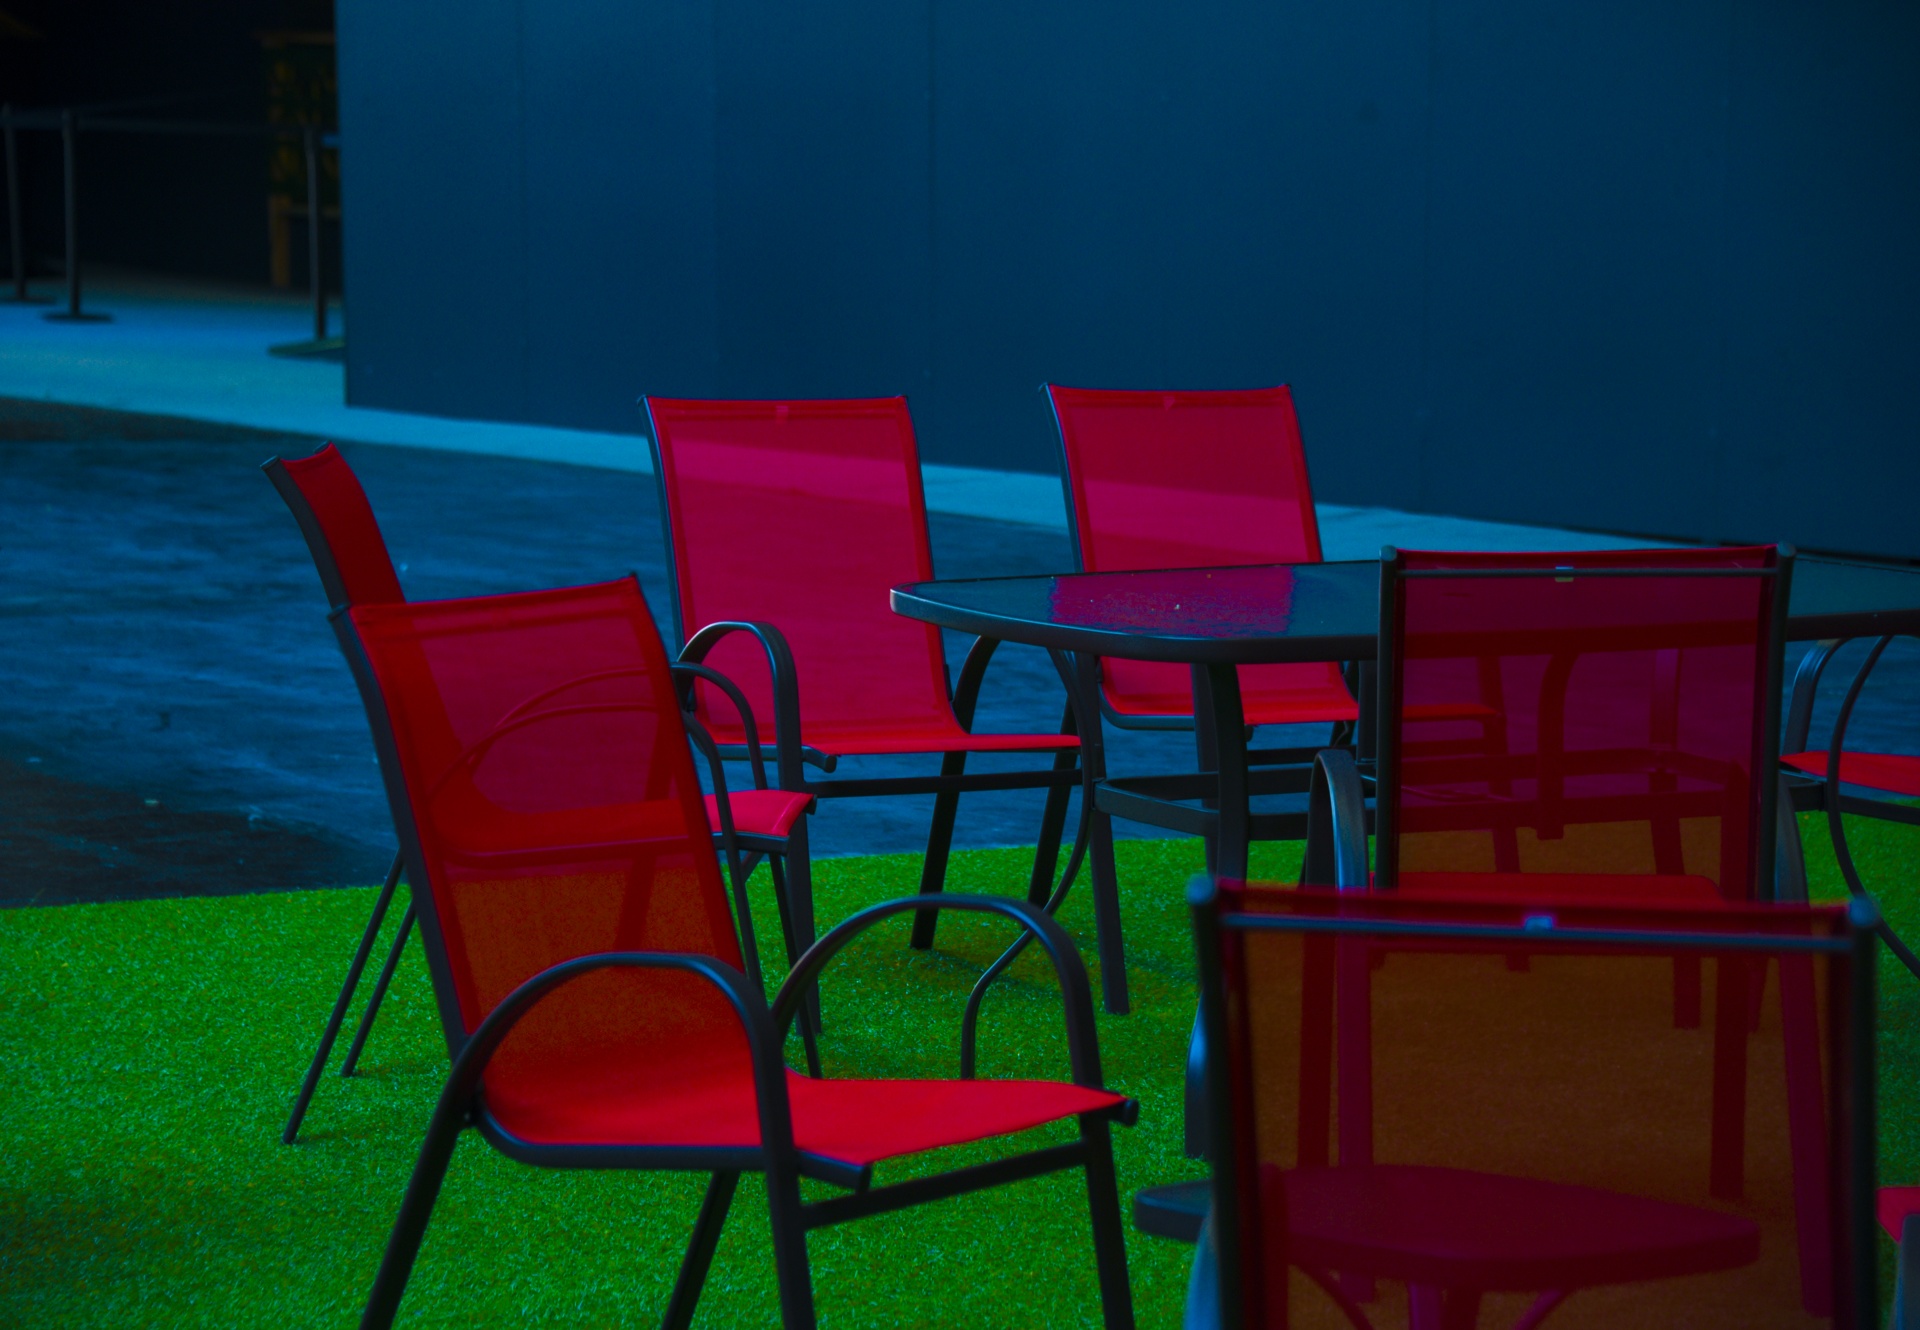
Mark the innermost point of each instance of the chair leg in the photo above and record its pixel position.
(797, 864)
(339, 1014)
(410, 1226)
(379, 993)
(1109, 1237)
(807, 1014)
(1108, 938)
(933, 871)
(1728, 1150)
(790, 1248)
(699, 1257)
(1053, 824)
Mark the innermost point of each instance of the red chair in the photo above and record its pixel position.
(1638, 693)
(1194, 480)
(1822, 775)
(787, 524)
(1637, 765)
(1899, 1211)
(327, 501)
(1474, 1138)
(585, 962)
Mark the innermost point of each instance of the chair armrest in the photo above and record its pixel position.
(1083, 1045)
(789, 753)
(729, 843)
(686, 672)
(1336, 824)
(458, 1099)
(1806, 683)
(1906, 1278)
(1203, 1283)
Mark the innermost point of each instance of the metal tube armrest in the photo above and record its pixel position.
(789, 753)
(1083, 1047)
(1336, 824)
(687, 671)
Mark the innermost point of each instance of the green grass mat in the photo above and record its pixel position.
(151, 1051)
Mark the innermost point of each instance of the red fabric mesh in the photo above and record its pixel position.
(1516, 1120)
(553, 795)
(804, 514)
(554, 799)
(1898, 773)
(766, 812)
(1195, 480)
(1626, 720)
(346, 519)
(854, 1121)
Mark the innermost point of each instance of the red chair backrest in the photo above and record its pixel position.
(1186, 480)
(540, 778)
(1560, 1066)
(1627, 721)
(338, 522)
(802, 514)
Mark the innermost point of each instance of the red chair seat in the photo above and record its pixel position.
(1895, 1204)
(847, 741)
(760, 812)
(858, 1122)
(1606, 888)
(1451, 1228)
(1896, 772)
(1270, 694)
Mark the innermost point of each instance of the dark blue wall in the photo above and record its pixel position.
(1649, 265)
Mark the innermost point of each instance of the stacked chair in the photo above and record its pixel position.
(1441, 1114)
(1636, 788)
(331, 508)
(598, 1007)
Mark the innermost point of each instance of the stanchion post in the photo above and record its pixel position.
(16, 227)
(13, 211)
(70, 153)
(314, 214)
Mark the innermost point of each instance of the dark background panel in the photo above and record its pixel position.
(1637, 267)
(1051, 239)
(1296, 188)
(434, 144)
(822, 209)
(620, 209)
(1822, 416)
(1578, 165)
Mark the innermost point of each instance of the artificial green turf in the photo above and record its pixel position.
(151, 1050)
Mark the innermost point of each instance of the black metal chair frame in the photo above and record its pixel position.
(1825, 793)
(792, 757)
(1183, 801)
(754, 847)
(1215, 1297)
(462, 1103)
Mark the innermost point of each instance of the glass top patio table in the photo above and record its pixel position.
(1305, 612)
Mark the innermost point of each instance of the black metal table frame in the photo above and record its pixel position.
(1224, 782)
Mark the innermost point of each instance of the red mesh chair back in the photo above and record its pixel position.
(338, 522)
(1625, 729)
(1439, 1108)
(1193, 480)
(802, 514)
(539, 772)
